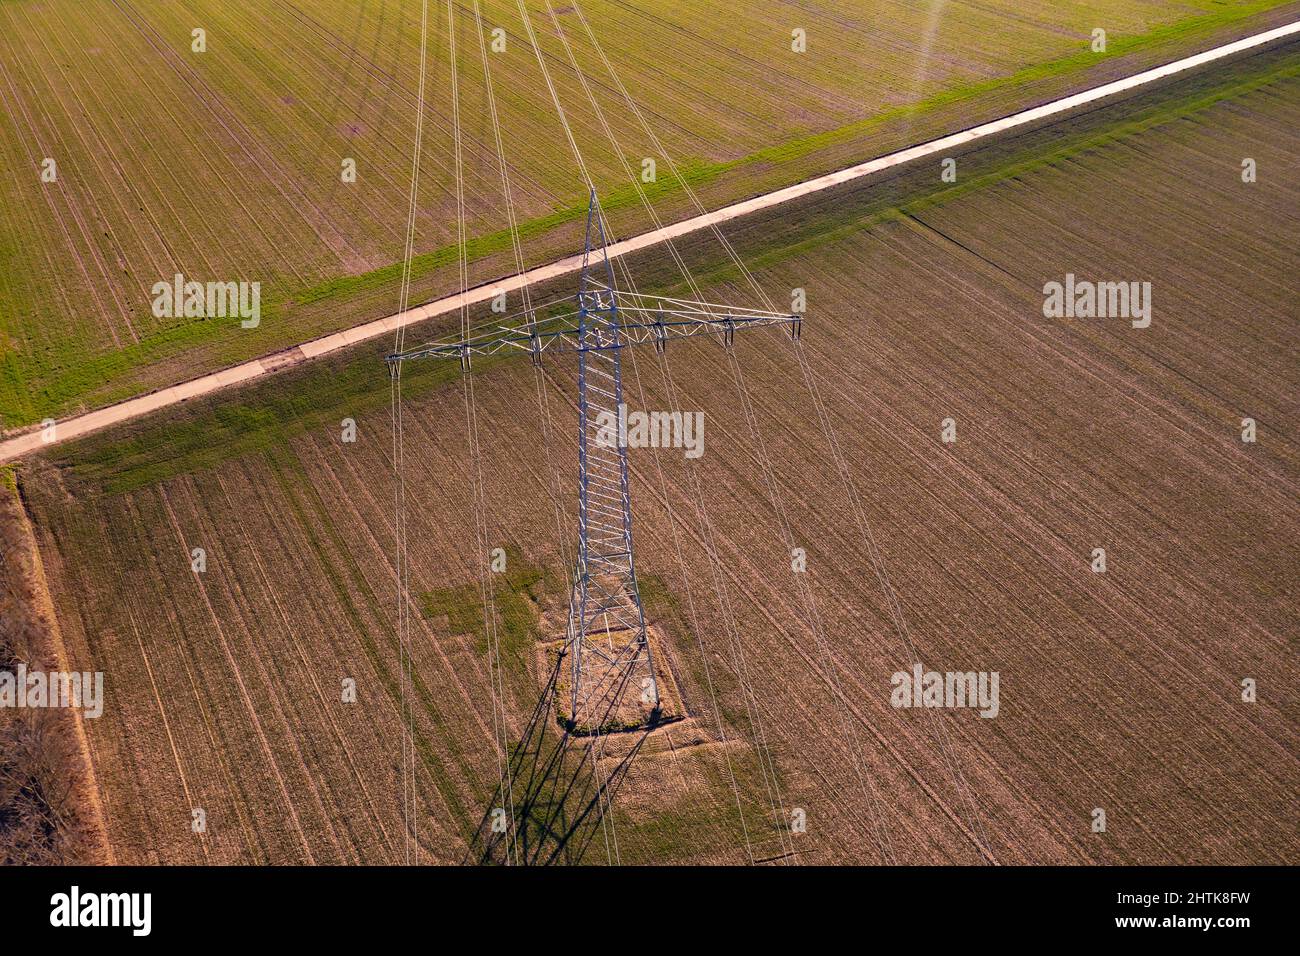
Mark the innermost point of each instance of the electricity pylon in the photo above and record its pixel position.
(609, 653)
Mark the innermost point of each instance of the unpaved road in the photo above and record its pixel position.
(83, 424)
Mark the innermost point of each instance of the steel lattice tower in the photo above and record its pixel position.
(613, 684)
(606, 619)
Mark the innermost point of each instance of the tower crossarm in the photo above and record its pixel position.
(643, 319)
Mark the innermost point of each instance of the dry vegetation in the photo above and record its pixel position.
(225, 165)
(1119, 691)
(47, 800)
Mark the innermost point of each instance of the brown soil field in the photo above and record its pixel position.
(1120, 691)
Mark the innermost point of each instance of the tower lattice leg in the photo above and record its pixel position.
(612, 674)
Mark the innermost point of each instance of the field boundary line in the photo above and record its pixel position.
(85, 423)
(87, 784)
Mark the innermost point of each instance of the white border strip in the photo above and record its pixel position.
(124, 411)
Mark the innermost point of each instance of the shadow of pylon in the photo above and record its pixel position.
(554, 799)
